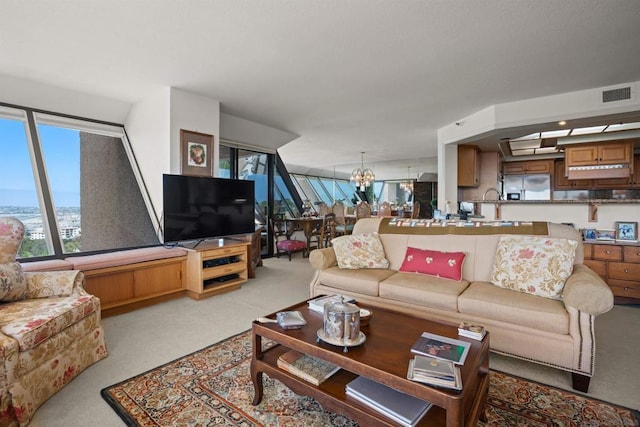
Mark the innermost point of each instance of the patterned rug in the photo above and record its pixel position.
(212, 387)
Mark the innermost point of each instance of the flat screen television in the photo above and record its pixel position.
(199, 208)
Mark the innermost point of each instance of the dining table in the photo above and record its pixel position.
(310, 226)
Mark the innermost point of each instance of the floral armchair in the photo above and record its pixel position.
(50, 330)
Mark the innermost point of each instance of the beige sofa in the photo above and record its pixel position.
(557, 333)
(50, 330)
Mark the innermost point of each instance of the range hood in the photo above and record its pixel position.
(599, 171)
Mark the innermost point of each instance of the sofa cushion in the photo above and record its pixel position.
(356, 251)
(423, 290)
(535, 265)
(117, 258)
(33, 321)
(364, 281)
(13, 286)
(447, 265)
(485, 300)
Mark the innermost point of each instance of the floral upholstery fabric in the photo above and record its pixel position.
(11, 235)
(356, 251)
(535, 265)
(51, 283)
(46, 338)
(32, 321)
(13, 286)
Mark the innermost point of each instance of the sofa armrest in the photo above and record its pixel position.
(44, 284)
(321, 259)
(584, 290)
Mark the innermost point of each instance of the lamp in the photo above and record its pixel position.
(408, 185)
(361, 176)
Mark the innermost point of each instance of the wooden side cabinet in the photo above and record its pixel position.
(468, 166)
(214, 268)
(619, 265)
(527, 167)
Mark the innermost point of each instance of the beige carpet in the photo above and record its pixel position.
(146, 338)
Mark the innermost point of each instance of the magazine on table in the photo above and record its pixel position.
(441, 348)
(437, 372)
(309, 368)
(471, 330)
(318, 303)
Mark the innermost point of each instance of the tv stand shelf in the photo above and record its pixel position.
(214, 268)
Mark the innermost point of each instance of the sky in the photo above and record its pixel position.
(61, 151)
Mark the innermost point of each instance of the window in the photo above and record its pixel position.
(75, 188)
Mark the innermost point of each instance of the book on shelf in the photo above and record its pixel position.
(309, 368)
(440, 347)
(472, 330)
(432, 371)
(400, 407)
(318, 303)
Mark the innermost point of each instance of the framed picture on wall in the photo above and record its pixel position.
(196, 153)
(627, 231)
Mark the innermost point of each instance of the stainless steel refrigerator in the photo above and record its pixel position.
(528, 187)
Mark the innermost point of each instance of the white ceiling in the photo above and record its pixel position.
(379, 76)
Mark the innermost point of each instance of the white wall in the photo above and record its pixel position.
(29, 93)
(254, 134)
(148, 129)
(576, 213)
(196, 113)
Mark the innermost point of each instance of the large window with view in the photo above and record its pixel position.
(72, 183)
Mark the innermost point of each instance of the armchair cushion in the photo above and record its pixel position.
(32, 321)
(13, 286)
(51, 283)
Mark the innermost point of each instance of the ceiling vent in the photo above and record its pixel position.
(621, 94)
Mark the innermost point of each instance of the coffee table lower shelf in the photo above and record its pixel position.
(332, 396)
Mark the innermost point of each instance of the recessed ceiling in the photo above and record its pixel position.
(378, 76)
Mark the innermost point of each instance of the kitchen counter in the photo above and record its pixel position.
(538, 202)
(590, 213)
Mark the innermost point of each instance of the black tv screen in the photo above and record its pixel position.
(197, 208)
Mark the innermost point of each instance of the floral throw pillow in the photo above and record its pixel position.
(447, 265)
(360, 251)
(535, 265)
(13, 286)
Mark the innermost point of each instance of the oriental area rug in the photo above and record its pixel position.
(212, 387)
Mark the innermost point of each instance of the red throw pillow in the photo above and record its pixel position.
(447, 265)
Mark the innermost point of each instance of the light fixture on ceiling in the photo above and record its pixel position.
(562, 122)
(408, 184)
(363, 177)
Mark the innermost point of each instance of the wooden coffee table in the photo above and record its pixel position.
(384, 357)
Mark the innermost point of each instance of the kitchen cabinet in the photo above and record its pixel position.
(632, 181)
(590, 160)
(619, 266)
(468, 166)
(561, 182)
(527, 167)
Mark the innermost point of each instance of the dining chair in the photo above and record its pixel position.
(415, 211)
(363, 210)
(328, 230)
(283, 242)
(384, 209)
(323, 209)
(342, 226)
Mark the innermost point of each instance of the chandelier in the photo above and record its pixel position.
(408, 185)
(361, 176)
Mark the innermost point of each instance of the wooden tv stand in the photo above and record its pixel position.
(216, 266)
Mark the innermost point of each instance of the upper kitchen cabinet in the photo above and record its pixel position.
(468, 166)
(612, 159)
(527, 167)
